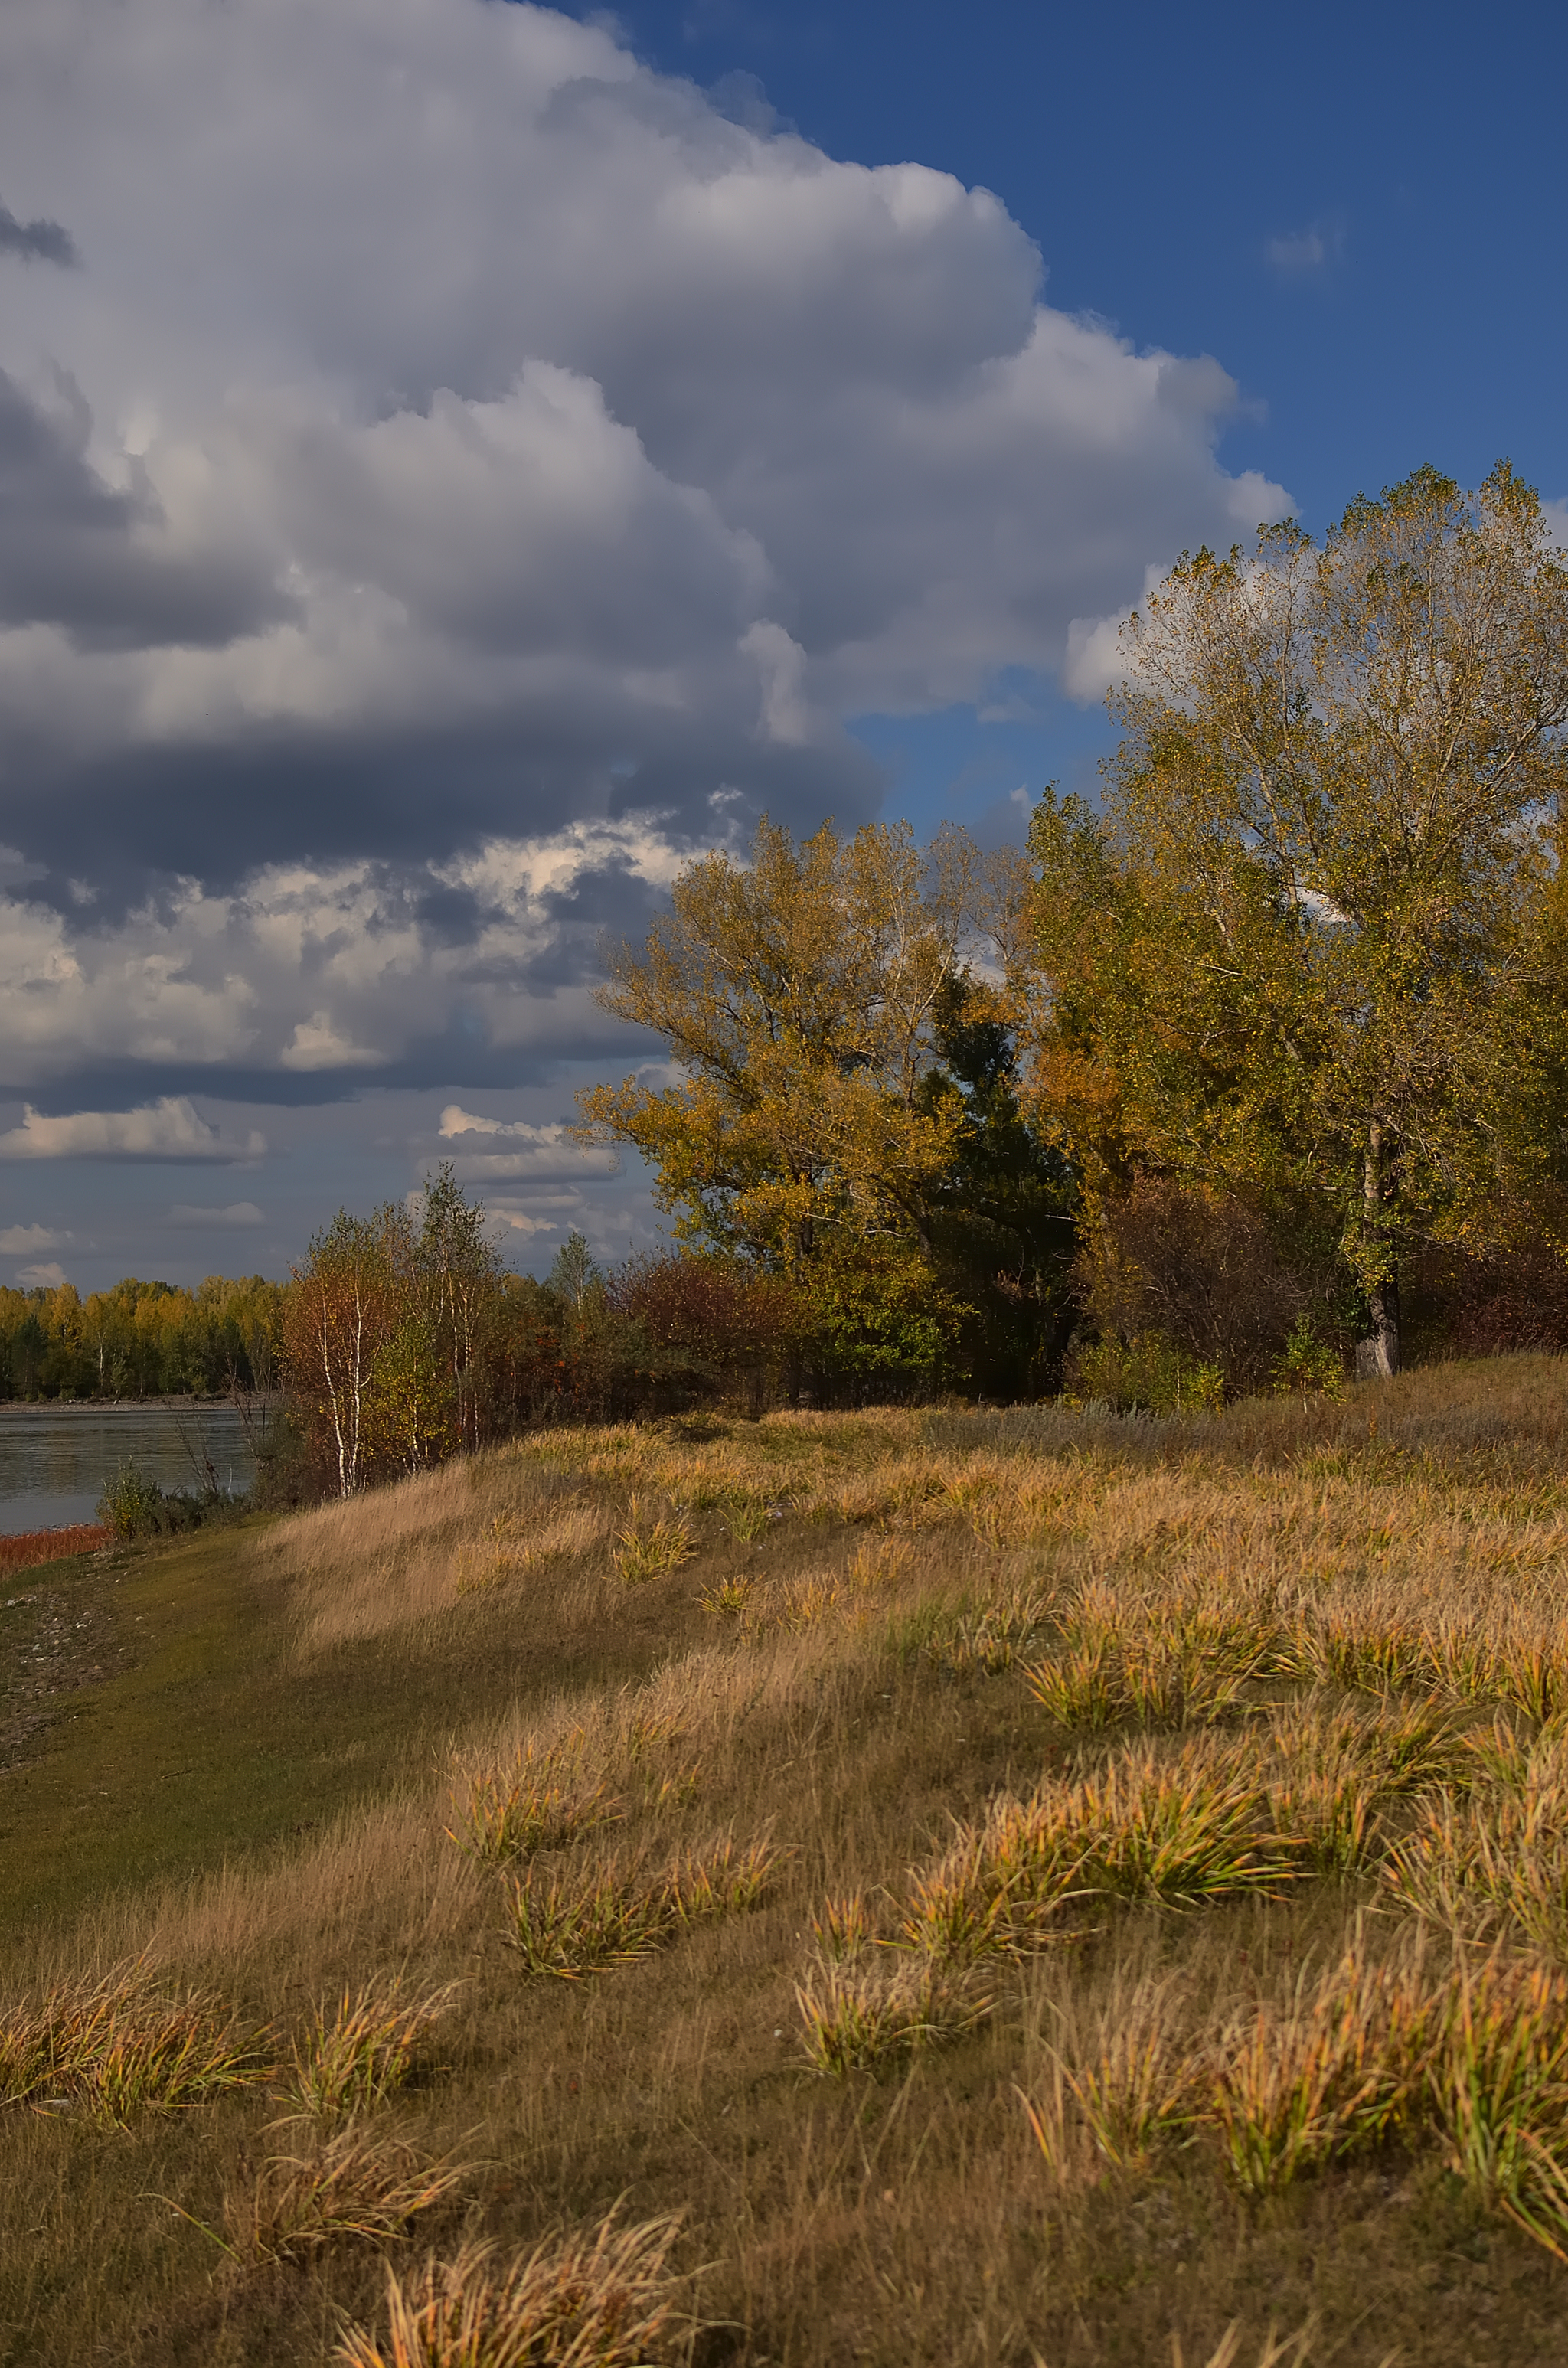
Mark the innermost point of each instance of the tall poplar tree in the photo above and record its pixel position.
(1312, 949)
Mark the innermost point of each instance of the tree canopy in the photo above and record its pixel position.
(821, 1005)
(1312, 949)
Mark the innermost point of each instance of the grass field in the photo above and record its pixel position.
(904, 1887)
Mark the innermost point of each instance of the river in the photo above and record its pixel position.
(54, 1460)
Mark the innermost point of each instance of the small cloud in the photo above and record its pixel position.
(317, 1044)
(23, 1241)
(169, 1129)
(1301, 252)
(546, 1150)
(42, 1278)
(238, 1213)
(40, 241)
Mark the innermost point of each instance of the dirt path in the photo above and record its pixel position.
(59, 1630)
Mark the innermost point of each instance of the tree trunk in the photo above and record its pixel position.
(1378, 1356)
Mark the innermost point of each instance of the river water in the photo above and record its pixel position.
(54, 1460)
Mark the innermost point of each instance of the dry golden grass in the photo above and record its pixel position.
(599, 2299)
(1054, 1887)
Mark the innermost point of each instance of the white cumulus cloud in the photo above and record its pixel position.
(22, 1241)
(447, 471)
(544, 1151)
(169, 1129)
(236, 1213)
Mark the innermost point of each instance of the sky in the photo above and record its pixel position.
(458, 460)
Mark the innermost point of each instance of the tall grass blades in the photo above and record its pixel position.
(1499, 2093)
(1326, 2070)
(538, 1800)
(861, 2018)
(569, 1925)
(355, 2184)
(603, 2298)
(352, 2059)
(122, 2048)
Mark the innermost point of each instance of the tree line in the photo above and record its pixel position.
(1251, 1073)
(140, 1339)
(1257, 1068)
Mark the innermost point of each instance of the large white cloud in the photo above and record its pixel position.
(170, 1129)
(455, 452)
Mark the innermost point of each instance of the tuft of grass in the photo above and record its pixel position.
(863, 2017)
(842, 1929)
(578, 1923)
(599, 2298)
(1134, 2082)
(356, 2056)
(1185, 1833)
(646, 1549)
(542, 1799)
(355, 2183)
(991, 1636)
(1152, 1664)
(729, 1596)
(123, 2048)
(1498, 2087)
(1323, 2073)
(1494, 1864)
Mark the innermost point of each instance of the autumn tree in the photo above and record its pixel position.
(802, 996)
(338, 1319)
(1310, 951)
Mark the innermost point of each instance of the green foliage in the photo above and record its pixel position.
(1308, 1365)
(1311, 953)
(140, 1339)
(1148, 1373)
(1003, 1212)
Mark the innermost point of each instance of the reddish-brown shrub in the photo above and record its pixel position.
(21, 1553)
(1464, 1304)
(1204, 1270)
(743, 1326)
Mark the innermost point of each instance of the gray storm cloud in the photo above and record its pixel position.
(40, 241)
(466, 470)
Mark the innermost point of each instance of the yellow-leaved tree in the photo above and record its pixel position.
(802, 996)
(1311, 950)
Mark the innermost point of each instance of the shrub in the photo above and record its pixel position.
(1148, 1373)
(1307, 1366)
(1203, 1271)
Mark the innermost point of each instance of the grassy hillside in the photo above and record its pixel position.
(1008, 1887)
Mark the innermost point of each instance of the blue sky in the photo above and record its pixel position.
(457, 459)
(1360, 210)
